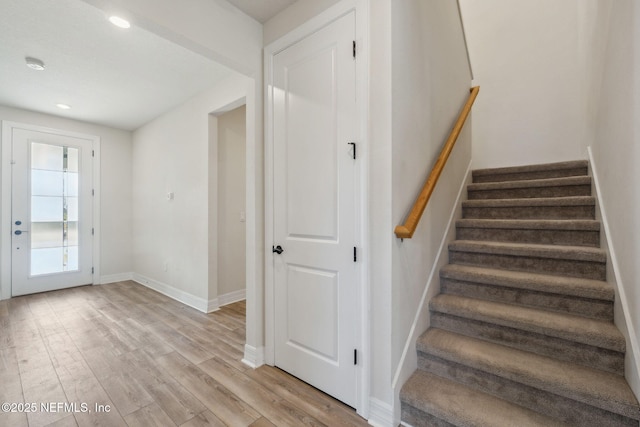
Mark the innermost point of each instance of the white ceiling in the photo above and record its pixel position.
(262, 10)
(114, 77)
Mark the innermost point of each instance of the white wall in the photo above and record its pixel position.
(380, 198)
(221, 32)
(115, 179)
(527, 59)
(215, 29)
(171, 155)
(616, 155)
(292, 17)
(231, 210)
(431, 82)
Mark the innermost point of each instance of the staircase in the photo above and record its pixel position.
(522, 332)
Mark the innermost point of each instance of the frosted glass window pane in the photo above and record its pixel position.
(46, 261)
(71, 184)
(45, 209)
(72, 209)
(46, 183)
(46, 156)
(72, 159)
(72, 258)
(46, 234)
(72, 234)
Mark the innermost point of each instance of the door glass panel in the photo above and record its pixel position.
(47, 234)
(46, 183)
(54, 209)
(72, 208)
(46, 208)
(72, 233)
(46, 261)
(46, 156)
(71, 183)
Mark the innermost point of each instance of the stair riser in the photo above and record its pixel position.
(559, 348)
(418, 418)
(522, 176)
(544, 237)
(569, 411)
(530, 192)
(592, 308)
(562, 267)
(530, 212)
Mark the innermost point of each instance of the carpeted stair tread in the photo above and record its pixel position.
(530, 183)
(591, 386)
(576, 253)
(577, 167)
(592, 332)
(573, 286)
(541, 201)
(464, 406)
(536, 224)
(570, 207)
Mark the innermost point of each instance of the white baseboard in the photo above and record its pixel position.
(114, 278)
(213, 305)
(232, 297)
(184, 297)
(380, 414)
(253, 357)
(222, 300)
(632, 359)
(408, 360)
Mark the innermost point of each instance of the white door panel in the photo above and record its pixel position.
(315, 278)
(51, 211)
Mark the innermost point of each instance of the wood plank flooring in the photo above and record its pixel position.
(137, 358)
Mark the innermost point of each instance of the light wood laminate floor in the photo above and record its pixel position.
(148, 359)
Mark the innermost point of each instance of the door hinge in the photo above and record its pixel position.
(92, 270)
(93, 153)
(355, 356)
(354, 48)
(354, 149)
(93, 231)
(355, 254)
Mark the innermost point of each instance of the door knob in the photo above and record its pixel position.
(19, 232)
(278, 249)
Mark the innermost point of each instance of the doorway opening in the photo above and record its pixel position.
(231, 206)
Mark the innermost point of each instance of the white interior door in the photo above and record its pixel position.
(51, 212)
(315, 277)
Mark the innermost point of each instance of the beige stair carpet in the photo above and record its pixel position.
(522, 332)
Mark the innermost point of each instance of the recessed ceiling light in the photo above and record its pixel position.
(63, 106)
(34, 63)
(119, 22)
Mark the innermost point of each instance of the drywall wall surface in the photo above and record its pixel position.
(594, 17)
(214, 29)
(380, 219)
(231, 209)
(115, 180)
(171, 192)
(526, 58)
(616, 153)
(292, 17)
(431, 83)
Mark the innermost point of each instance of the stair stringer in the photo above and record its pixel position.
(621, 303)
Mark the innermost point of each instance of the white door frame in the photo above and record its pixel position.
(360, 7)
(5, 190)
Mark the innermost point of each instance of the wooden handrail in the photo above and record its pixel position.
(406, 230)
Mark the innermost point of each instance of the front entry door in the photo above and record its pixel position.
(51, 211)
(315, 276)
